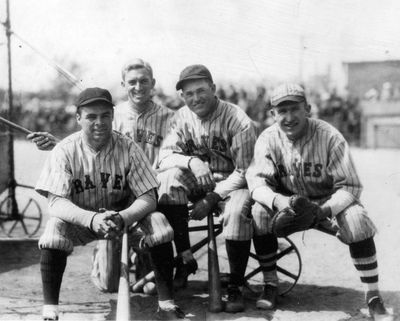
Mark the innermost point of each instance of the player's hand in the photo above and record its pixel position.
(280, 202)
(116, 223)
(43, 140)
(100, 224)
(202, 173)
(203, 207)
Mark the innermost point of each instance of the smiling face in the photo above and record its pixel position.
(199, 96)
(138, 84)
(292, 118)
(96, 123)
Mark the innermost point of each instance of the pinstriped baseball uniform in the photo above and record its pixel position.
(225, 140)
(147, 129)
(110, 178)
(318, 165)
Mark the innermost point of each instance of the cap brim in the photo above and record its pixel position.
(180, 82)
(92, 100)
(296, 99)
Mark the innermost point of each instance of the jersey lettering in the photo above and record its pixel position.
(149, 137)
(117, 184)
(104, 179)
(78, 186)
(88, 183)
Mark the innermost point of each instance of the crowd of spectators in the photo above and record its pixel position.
(57, 116)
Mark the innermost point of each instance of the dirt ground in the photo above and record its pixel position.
(328, 288)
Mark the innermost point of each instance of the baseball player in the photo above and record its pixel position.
(141, 119)
(308, 157)
(211, 143)
(97, 181)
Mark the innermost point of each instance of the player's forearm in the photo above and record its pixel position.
(174, 160)
(142, 206)
(67, 211)
(233, 182)
(264, 195)
(339, 200)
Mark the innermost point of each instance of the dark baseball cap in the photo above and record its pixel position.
(287, 92)
(193, 72)
(90, 95)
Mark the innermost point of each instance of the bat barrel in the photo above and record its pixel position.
(14, 126)
(214, 283)
(123, 303)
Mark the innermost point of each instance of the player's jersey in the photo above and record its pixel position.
(225, 140)
(110, 178)
(317, 165)
(147, 129)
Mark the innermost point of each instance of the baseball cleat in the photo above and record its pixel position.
(267, 299)
(182, 273)
(170, 314)
(235, 302)
(377, 310)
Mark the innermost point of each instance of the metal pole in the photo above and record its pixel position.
(12, 183)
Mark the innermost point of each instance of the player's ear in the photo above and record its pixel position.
(123, 83)
(153, 83)
(308, 109)
(213, 88)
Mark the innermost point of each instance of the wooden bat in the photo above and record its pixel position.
(15, 126)
(214, 282)
(123, 303)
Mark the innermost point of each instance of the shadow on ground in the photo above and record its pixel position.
(304, 299)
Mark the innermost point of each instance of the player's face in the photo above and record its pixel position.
(292, 118)
(199, 96)
(96, 123)
(138, 84)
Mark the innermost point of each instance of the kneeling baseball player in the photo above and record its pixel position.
(303, 176)
(97, 181)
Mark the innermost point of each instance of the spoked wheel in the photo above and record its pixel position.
(23, 218)
(288, 265)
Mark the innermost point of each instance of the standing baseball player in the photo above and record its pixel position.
(308, 157)
(211, 145)
(97, 181)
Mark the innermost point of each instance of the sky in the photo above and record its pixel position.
(241, 41)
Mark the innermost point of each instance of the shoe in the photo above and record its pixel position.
(182, 272)
(172, 314)
(377, 310)
(50, 313)
(267, 299)
(235, 302)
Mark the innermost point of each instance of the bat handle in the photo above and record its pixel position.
(214, 283)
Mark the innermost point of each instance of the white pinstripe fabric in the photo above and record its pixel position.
(148, 129)
(225, 140)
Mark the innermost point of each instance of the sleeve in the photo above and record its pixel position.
(346, 183)
(56, 175)
(261, 174)
(64, 209)
(242, 152)
(173, 151)
(141, 176)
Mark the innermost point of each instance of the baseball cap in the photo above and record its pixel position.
(90, 95)
(193, 72)
(287, 92)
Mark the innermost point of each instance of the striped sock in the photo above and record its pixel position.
(363, 254)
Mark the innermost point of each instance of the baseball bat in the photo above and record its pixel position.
(214, 282)
(123, 303)
(15, 126)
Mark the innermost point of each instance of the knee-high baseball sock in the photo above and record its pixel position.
(238, 256)
(177, 216)
(162, 260)
(52, 266)
(363, 254)
(266, 247)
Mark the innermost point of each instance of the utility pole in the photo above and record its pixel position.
(12, 183)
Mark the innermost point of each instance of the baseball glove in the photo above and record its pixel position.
(301, 215)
